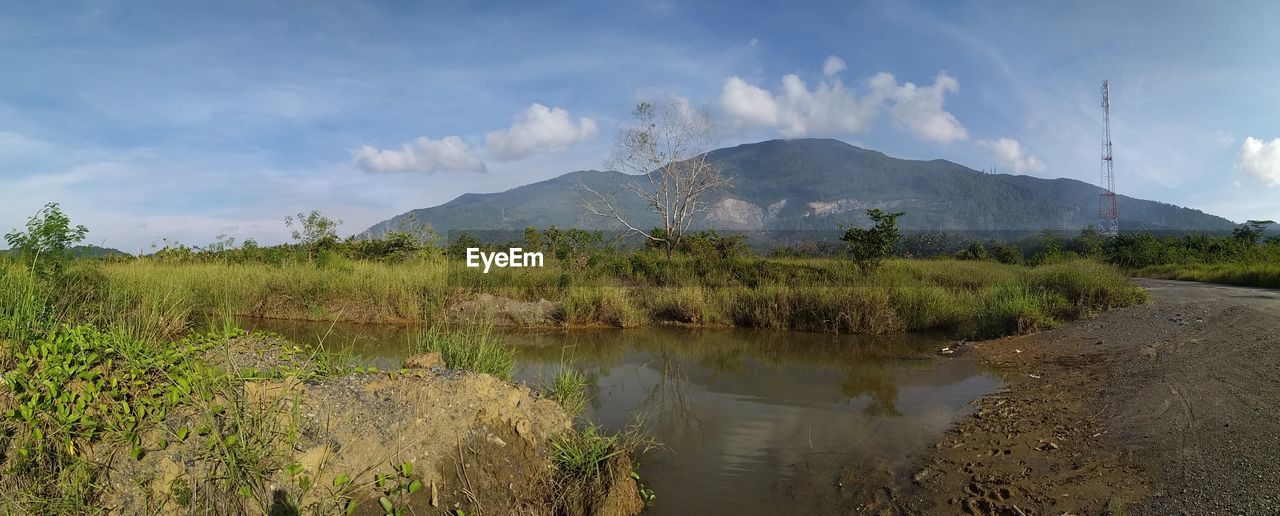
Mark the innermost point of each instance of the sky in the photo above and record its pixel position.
(178, 121)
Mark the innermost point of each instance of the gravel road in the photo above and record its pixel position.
(1172, 407)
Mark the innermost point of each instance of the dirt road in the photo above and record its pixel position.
(1167, 408)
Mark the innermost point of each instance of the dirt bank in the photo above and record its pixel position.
(424, 440)
(1165, 408)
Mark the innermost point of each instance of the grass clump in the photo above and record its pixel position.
(569, 388)
(583, 457)
(1013, 309)
(588, 461)
(595, 306)
(475, 349)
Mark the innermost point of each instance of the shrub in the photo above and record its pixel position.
(868, 247)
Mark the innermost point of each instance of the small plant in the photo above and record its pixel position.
(476, 349)
(587, 462)
(396, 488)
(646, 492)
(870, 246)
(47, 241)
(569, 388)
(583, 457)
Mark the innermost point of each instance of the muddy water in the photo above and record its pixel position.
(752, 422)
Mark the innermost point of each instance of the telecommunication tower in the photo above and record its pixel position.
(1108, 219)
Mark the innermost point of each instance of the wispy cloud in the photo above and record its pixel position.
(1010, 153)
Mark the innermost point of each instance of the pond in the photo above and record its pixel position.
(751, 422)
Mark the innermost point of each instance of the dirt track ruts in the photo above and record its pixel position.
(1172, 407)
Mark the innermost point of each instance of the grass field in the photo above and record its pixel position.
(151, 300)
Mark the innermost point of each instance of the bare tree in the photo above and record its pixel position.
(665, 145)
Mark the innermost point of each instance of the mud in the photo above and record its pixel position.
(1165, 408)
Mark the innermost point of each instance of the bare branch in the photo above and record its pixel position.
(666, 144)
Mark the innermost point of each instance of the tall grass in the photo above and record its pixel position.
(153, 300)
(1259, 274)
(23, 308)
(568, 387)
(475, 349)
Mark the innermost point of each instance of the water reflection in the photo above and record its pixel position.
(753, 422)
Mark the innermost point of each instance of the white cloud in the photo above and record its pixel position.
(919, 108)
(537, 130)
(832, 108)
(833, 65)
(748, 103)
(424, 155)
(1261, 160)
(1010, 153)
(797, 111)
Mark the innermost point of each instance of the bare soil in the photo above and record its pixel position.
(1166, 408)
(477, 444)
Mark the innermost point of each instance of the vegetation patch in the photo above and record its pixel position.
(475, 349)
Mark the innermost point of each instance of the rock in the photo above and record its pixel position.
(424, 361)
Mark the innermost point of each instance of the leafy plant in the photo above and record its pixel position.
(48, 239)
(396, 487)
(313, 231)
(870, 246)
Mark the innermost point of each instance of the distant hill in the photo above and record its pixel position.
(86, 251)
(816, 184)
(93, 251)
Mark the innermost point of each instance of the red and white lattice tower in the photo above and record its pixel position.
(1108, 219)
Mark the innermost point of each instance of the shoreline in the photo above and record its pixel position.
(1108, 415)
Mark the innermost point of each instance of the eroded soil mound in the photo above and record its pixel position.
(418, 440)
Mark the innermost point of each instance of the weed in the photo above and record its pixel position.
(569, 388)
(475, 349)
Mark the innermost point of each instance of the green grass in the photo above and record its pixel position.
(601, 306)
(569, 388)
(474, 349)
(584, 456)
(1262, 275)
(152, 300)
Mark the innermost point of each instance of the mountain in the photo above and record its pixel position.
(86, 251)
(817, 184)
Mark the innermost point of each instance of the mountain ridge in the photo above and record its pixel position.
(812, 183)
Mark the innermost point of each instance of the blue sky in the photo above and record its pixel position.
(151, 120)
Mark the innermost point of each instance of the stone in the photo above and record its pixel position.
(424, 361)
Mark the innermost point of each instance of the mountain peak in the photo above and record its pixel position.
(818, 183)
